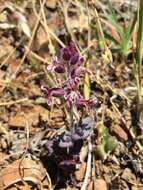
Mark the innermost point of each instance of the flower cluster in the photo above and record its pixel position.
(71, 65)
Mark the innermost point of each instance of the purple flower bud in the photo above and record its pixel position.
(74, 59)
(65, 54)
(81, 60)
(59, 69)
(72, 47)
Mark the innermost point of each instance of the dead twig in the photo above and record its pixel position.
(26, 149)
(13, 102)
(88, 168)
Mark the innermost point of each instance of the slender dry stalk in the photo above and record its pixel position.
(88, 168)
(29, 44)
(86, 85)
(46, 27)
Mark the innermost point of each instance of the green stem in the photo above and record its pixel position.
(139, 50)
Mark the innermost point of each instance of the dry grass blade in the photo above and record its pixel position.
(88, 168)
(44, 24)
(29, 44)
(86, 85)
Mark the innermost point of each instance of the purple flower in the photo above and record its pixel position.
(60, 69)
(76, 71)
(75, 98)
(55, 92)
(56, 66)
(70, 54)
(71, 64)
(71, 85)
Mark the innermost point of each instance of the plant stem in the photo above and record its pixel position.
(139, 50)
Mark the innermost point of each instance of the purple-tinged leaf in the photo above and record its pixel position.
(68, 163)
(65, 144)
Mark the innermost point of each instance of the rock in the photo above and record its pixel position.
(101, 184)
(90, 186)
(32, 115)
(119, 132)
(129, 176)
(51, 4)
(80, 172)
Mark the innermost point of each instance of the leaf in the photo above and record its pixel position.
(111, 38)
(113, 19)
(100, 151)
(6, 26)
(64, 149)
(86, 85)
(23, 24)
(111, 144)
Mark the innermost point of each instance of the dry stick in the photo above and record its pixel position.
(36, 56)
(94, 174)
(86, 85)
(14, 102)
(10, 54)
(64, 8)
(47, 29)
(88, 168)
(51, 47)
(29, 44)
(90, 44)
(26, 149)
(7, 58)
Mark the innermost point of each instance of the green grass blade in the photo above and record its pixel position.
(111, 38)
(133, 24)
(139, 48)
(113, 19)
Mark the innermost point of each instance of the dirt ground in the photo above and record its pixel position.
(110, 156)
